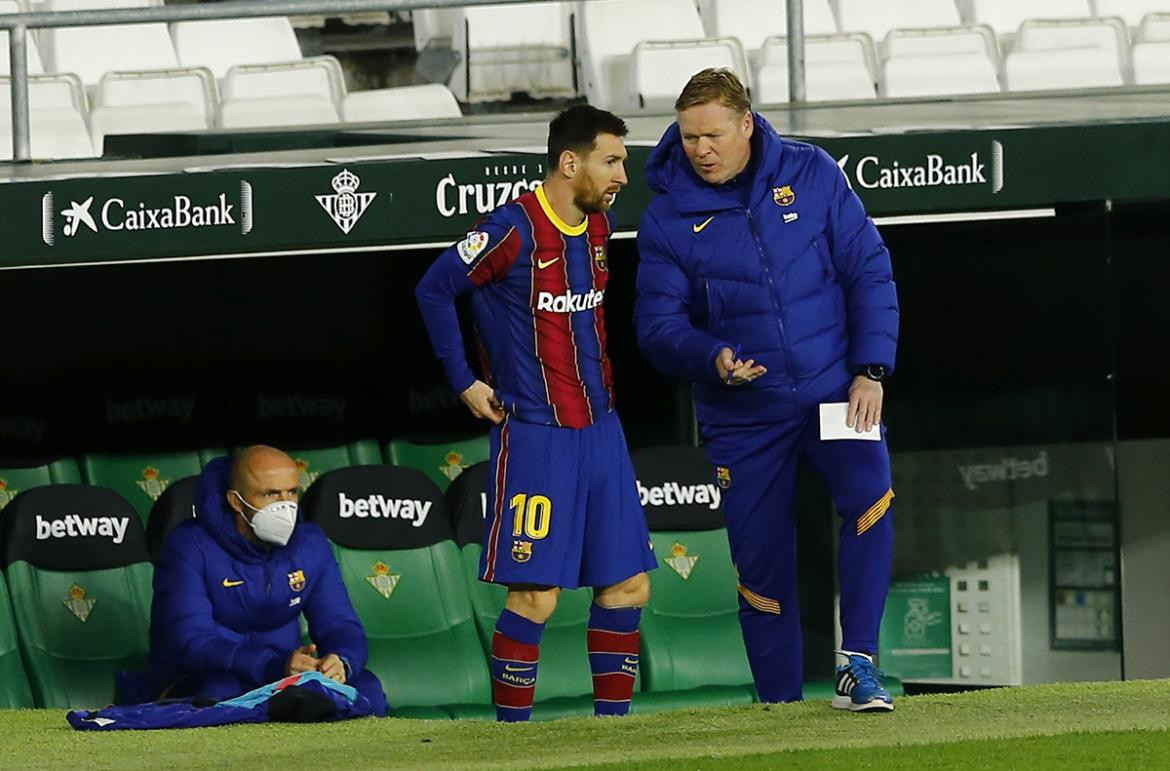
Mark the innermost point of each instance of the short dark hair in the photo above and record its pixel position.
(577, 128)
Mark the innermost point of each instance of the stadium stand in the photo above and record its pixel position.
(506, 49)
(1006, 16)
(90, 52)
(433, 27)
(14, 690)
(1132, 11)
(1055, 54)
(1151, 51)
(836, 67)
(175, 506)
(79, 575)
(877, 19)
(57, 118)
(142, 477)
(937, 62)
(659, 70)
(607, 32)
(402, 570)
(754, 21)
(151, 101)
(220, 44)
(15, 479)
(312, 462)
(442, 462)
(403, 103)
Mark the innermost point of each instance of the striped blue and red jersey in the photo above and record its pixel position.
(537, 287)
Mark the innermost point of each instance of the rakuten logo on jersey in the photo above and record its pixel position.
(569, 302)
(384, 508)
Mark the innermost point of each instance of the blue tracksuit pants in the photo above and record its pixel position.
(757, 468)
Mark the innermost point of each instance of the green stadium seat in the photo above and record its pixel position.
(14, 690)
(175, 506)
(312, 462)
(79, 575)
(392, 537)
(691, 638)
(565, 685)
(441, 461)
(15, 479)
(142, 477)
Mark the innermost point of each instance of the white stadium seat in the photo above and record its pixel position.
(1006, 16)
(754, 21)
(660, 70)
(1062, 69)
(405, 103)
(297, 93)
(1155, 28)
(513, 48)
(836, 67)
(608, 30)
(91, 52)
(432, 26)
(57, 108)
(1133, 11)
(1054, 35)
(939, 75)
(1151, 63)
(877, 18)
(977, 39)
(153, 100)
(221, 44)
(30, 42)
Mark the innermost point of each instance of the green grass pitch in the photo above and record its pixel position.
(1067, 726)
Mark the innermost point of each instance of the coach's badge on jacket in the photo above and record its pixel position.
(783, 196)
(470, 247)
(723, 476)
(521, 550)
(296, 580)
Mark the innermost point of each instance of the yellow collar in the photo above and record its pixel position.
(568, 230)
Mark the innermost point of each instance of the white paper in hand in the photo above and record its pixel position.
(833, 416)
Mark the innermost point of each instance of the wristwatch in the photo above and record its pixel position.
(875, 372)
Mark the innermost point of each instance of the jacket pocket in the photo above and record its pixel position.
(829, 275)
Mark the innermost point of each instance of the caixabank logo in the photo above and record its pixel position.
(978, 167)
(117, 214)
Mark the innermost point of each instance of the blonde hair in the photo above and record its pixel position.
(711, 84)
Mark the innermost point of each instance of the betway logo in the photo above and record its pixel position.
(383, 508)
(674, 494)
(1006, 469)
(872, 172)
(453, 197)
(116, 214)
(569, 302)
(23, 428)
(300, 406)
(144, 409)
(77, 526)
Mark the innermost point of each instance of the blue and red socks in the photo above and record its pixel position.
(515, 654)
(613, 640)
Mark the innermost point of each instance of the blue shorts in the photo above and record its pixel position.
(563, 507)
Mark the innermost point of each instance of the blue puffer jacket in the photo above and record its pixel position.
(798, 279)
(222, 603)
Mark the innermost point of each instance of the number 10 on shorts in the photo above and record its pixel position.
(533, 513)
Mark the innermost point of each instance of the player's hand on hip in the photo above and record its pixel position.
(865, 404)
(302, 660)
(481, 399)
(332, 667)
(734, 370)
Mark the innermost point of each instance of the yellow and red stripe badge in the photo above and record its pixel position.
(876, 512)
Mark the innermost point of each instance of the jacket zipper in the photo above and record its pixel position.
(772, 294)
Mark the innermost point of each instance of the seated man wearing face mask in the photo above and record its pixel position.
(230, 584)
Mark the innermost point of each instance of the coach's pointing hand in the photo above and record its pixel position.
(481, 400)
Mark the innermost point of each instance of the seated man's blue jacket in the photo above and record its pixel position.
(225, 604)
(782, 263)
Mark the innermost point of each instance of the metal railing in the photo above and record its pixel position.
(19, 24)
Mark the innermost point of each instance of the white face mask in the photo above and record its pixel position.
(274, 523)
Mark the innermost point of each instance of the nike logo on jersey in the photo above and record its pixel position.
(699, 228)
(542, 264)
(228, 583)
(510, 668)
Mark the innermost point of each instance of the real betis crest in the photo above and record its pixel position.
(305, 477)
(6, 495)
(679, 561)
(452, 465)
(383, 581)
(151, 484)
(78, 604)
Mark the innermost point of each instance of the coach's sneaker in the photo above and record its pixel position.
(859, 684)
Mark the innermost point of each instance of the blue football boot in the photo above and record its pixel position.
(859, 685)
